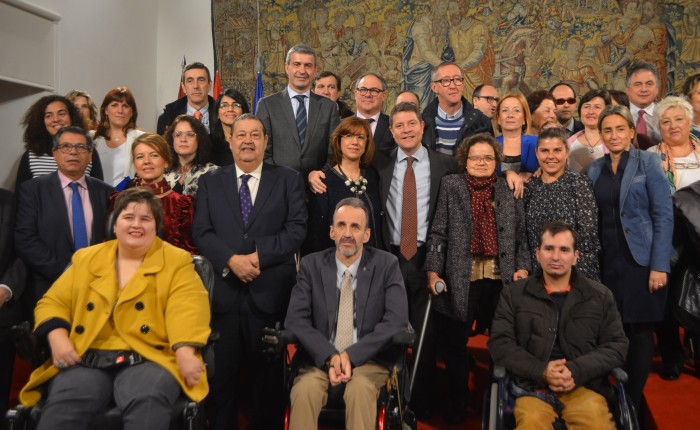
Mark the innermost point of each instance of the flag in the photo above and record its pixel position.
(217, 85)
(259, 93)
(180, 91)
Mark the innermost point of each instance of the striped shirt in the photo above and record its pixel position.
(43, 164)
(448, 127)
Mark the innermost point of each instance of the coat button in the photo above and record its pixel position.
(501, 228)
(503, 254)
(79, 329)
(145, 329)
(245, 236)
(159, 347)
(139, 306)
(90, 306)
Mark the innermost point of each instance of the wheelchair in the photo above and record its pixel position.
(187, 415)
(499, 403)
(392, 404)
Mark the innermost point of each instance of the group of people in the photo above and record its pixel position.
(381, 208)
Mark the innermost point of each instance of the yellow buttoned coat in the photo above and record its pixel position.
(163, 304)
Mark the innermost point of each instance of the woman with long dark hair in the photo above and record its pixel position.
(229, 105)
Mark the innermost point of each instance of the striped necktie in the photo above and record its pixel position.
(301, 118)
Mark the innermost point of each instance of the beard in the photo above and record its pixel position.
(347, 252)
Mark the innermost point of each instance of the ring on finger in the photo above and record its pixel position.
(60, 364)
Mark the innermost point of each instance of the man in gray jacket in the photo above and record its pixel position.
(559, 334)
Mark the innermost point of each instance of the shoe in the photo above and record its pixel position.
(670, 373)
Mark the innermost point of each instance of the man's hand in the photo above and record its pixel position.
(4, 296)
(520, 274)
(558, 377)
(515, 183)
(339, 369)
(190, 366)
(657, 280)
(315, 181)
(245, 267)
(62, 350)
(434, 278)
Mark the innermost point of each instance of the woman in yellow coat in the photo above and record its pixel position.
(124, 323)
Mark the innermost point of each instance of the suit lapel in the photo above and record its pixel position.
(313, 116)
(436, 174)
(267, 184)
(386, 174)
(364, 281)
(628, 175)
(58, 200)
(381, 130)
(98, 204)
(230, 187)
(330, 288)
(285, 104)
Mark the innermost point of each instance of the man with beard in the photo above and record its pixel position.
(298, 122)
(347, 304)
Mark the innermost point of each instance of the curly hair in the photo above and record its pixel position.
(463, 150)
(203, 152)
(36, 137)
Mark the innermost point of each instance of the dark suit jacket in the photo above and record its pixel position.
(43, 233)
(283, 147)
(383, 139)
(12, 270)
(276, 229)
(179, 107)
(381, 306)
(385, 161)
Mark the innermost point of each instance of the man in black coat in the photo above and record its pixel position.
(196, 83)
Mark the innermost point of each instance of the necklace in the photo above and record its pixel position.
(357, 186)
(591, 148)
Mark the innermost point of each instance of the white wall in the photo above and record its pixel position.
(109, 43)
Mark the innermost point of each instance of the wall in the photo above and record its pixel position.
(109, 43)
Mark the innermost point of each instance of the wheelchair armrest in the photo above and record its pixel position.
(620, 375)
(29, 346)
(405, 337)
(499, 372)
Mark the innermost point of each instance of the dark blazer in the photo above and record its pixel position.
(381, 306)
(450, 237)
(283, 147)
(12, 270)
(385, 161)
(43, 233)
(383, 139)
(276, 229)
(179, 107)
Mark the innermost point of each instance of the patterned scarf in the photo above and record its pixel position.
(160, 187)
(484, 240)
(667, 160)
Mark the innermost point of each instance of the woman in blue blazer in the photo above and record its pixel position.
(636, 227)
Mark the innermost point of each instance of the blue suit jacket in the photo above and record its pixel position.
(646, 208)
(381, 306)
(276, 229)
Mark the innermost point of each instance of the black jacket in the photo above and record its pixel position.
(179, 107)
(590, 332)
(474, 122)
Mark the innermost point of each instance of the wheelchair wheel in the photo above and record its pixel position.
(381, 418)
(286, 418)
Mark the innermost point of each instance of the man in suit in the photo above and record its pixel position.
(249, 223)
(370, 94)
(450, 118)
(642, 90)
(12, 279)
(347, 304)
(196, 83)
(565, 99)
(329, 85)
(299, 123)
(59, 213)
(406, 228)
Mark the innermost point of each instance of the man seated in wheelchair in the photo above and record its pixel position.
(346, 306)
(124, 323)
(559, 335)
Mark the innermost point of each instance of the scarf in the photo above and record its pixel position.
(160, 187)
(484, 241)
(667, 160)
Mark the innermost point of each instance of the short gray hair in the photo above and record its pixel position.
(353, 202)
(673, 102)
(301, 49)
(72, 129)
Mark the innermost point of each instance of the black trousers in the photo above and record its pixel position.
(639, 360)
(242, 372)
(7, 361)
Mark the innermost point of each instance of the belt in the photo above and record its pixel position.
(102, 359)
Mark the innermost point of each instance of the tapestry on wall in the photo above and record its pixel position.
(516, 45)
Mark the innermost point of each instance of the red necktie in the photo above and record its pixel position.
(198, 115)
(641, 123)
(409, 215)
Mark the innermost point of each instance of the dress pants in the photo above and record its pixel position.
(639, 360)
(145, 393)
(310, 393)
(7, 361)
(583, 409)
(242, 372)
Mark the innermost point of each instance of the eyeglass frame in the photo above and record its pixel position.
(489, 99)
(226, 106)
(569, 100)
(373, 92)
(445, 82)
(188, 134)
(66, 148)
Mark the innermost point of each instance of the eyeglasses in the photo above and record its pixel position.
(446, 82)
(66, 148)
(373, 91)
(188, 134)
(226, 106)
(570, 100)
(360, 137)
(485, 159)
(488, 98)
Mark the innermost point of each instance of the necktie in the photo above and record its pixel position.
(409, 215)
(369, 120)
(80, 239)
(641, 123)
(198, 115)
(245, 199)
(343, 330)
(301, 118)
